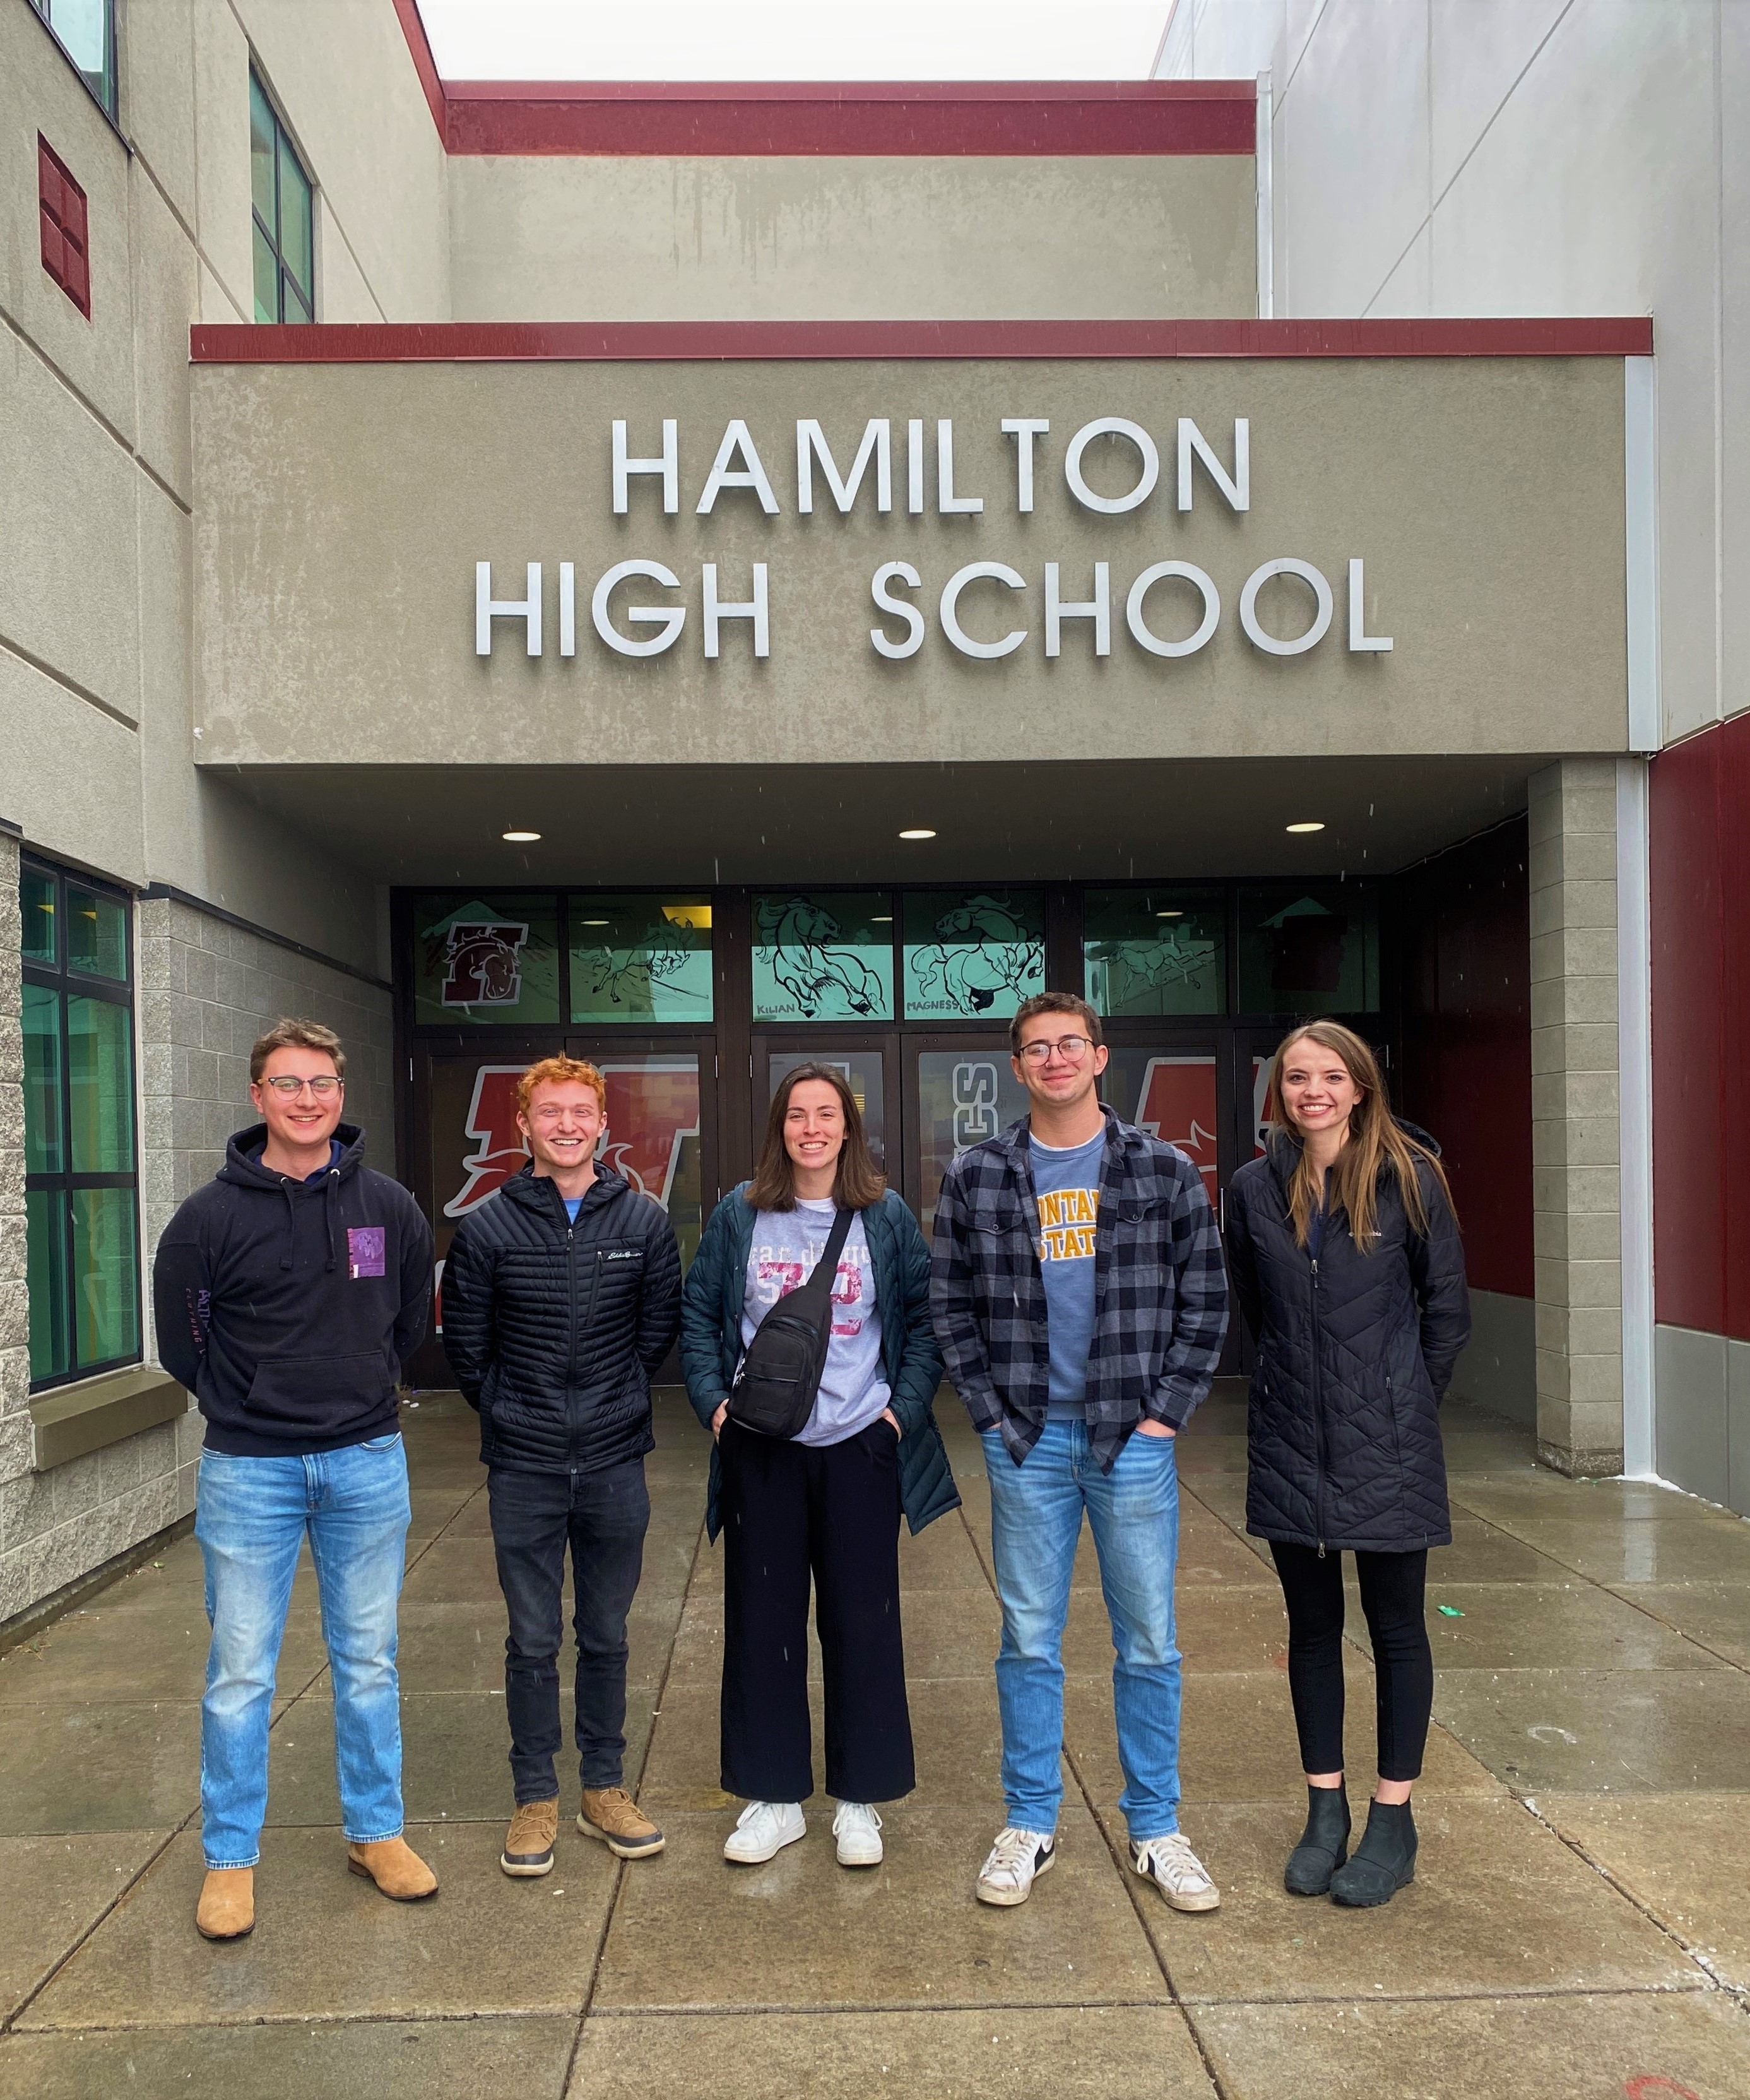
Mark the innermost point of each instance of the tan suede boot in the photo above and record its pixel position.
(528, 1846)
(610, 1814)
(395, 1866)
(227, 1908)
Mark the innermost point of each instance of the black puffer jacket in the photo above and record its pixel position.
(553, 1329)
(1354, 1354)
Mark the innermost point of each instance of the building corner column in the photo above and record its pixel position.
(1576, 1127)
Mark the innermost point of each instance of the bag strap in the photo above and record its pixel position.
(816, 1295)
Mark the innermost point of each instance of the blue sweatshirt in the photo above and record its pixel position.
(286, 1308)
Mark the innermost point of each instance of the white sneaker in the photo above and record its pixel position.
(858, 1830)
(1017, 1859)
(1176, 1871)
(762, 1830)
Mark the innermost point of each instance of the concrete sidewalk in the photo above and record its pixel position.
(1580, 1926)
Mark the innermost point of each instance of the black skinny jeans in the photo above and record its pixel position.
(791, 1510)
(1392, 1586)
(602, 1517)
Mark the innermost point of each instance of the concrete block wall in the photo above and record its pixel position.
(14, 1302)
(1576, 1148)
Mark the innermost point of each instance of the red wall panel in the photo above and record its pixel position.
(1464, 941)
(1700, 897)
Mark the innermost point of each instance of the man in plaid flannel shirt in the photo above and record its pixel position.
(1080, 1298)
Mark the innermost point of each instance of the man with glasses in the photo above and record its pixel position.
(1080, 1299)
(561, 1296)
(288, 1292)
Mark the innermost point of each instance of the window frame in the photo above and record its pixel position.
(284, 147)
(105, 89)
(66, 982)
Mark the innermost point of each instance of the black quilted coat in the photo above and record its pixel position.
(554, 1329)
(1355, 1352)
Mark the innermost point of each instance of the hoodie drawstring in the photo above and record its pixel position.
(329, 1201)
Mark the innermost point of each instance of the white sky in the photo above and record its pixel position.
(795, 39)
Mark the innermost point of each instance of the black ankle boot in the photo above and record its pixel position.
(1385, 1861)
(1324, 1843)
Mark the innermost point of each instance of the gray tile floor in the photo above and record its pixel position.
(1580, 1926)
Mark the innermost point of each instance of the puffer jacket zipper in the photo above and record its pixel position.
(570, 1341)
(1318, 1409)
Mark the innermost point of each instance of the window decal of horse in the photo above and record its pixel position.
(630, 977)
(800, 945)
(986, 958)
(1180, 957)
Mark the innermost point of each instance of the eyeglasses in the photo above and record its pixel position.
(1071, 1049)
(323, 1086)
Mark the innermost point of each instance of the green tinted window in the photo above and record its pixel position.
(35, 899)
(1154, 952)
(973, 956)
(43, 1148)
(97, 934)
(282, 211)
(823, 957)
(1309, 948)
(80, 1194)
(106, 1262)
(641, 959)
(486, 959)
(45, 1266)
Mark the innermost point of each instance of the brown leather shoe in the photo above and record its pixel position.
(528, 1848)
(610, 1814)
(395, 1866)
(227, 1908)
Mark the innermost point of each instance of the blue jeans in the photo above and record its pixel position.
(251, 1515)
(1035, 1521)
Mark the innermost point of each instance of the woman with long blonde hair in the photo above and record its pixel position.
(1347, 1264)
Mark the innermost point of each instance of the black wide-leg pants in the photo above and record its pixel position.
(790, 1512)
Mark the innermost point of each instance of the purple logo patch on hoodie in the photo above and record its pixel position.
(365, 1251)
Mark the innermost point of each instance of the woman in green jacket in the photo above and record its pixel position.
(826, 1503)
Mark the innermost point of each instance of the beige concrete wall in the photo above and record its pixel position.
(651, 238)
(1517, 156)
(1576, 1136)
(337, 544)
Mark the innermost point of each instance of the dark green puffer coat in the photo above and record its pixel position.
(711, 1315)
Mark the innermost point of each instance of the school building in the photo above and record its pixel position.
(707, 577)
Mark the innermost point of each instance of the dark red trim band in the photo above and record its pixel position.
(708, 341)
(857, 118)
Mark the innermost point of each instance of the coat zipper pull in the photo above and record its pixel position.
(1321, 1549)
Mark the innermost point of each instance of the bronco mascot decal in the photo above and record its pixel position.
(482, 962)
(797, 936)
(981, 950)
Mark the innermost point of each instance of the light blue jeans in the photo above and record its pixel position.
(251, 1517)
(1036, 1510)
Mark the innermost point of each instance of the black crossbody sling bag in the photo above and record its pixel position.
(780, 1371)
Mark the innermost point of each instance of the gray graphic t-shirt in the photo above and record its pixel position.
(787, 1245)
(1066, 1183)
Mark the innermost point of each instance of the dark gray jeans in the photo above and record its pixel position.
(603, 1517)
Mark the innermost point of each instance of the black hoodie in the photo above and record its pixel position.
(286, 1308)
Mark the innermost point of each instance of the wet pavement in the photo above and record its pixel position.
(1580, 1925)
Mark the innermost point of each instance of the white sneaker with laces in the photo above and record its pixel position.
(1017, 1860)
(762, 1830)
(858, 1830)
(1176, 1871)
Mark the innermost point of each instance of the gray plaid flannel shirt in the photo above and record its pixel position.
(1160, 1289)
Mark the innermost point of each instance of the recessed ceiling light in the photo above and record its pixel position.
(519, 838)
(595, 922)
(1170, 915)
(880, 917)
(918, 831)
(1306, 828)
